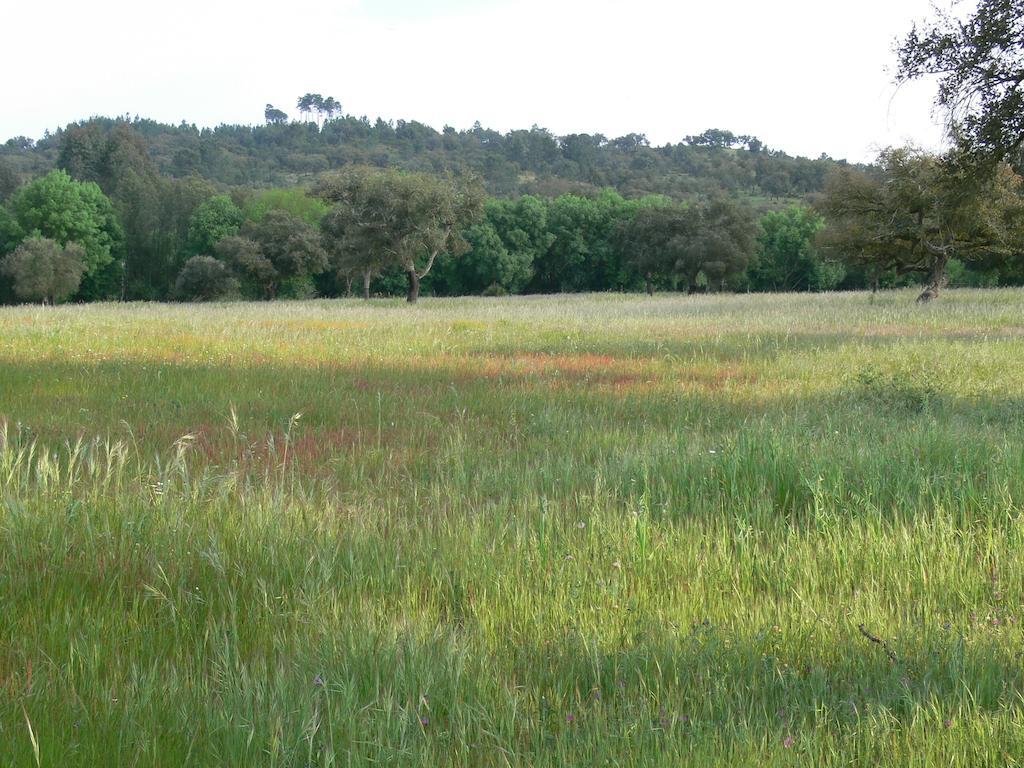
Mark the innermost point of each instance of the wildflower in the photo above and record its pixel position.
(947, 723)
(788, 741)
(424, 721)
(570, 719)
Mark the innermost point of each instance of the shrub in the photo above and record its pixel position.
(204, 278)
(41, 269)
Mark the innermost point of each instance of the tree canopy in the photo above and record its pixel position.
(404, 220)
(918, 212)
(62, 209)
(787, 258)
(980, 65)
(41, 269)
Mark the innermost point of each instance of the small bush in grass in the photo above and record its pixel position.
(897, 390)
(494, 289)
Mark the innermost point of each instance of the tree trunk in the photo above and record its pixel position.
(650, 286)
(414, 286)
(366, 285)
(348, 287)
(936, 280)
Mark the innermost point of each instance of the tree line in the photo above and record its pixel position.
(388, 232)
(371, 231)
(109, 222)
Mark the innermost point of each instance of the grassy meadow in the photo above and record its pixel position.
(587, 530)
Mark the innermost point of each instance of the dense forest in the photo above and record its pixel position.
(328, 204)
(534, 161)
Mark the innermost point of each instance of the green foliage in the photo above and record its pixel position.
(787, 259)
(204, 278)
(531, 161)
(245, 257)
(655, 239)
(400, 220)
(291, 245)
(10, 232)
(522, 225)
(274, 116)
(577, 241)
(62, 209)
(502, 249)
(277, 251)
(720, 246)
(211, 222)
(153, 209)
(980, 69)
(296, 201)
(484, 264)
(353, 249)
(582, 255)
(43, 270)
(963, 276)
(9, 180)
(919, 211)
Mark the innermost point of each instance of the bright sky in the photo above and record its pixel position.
(806, 76)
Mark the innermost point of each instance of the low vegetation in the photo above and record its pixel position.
(527, 531)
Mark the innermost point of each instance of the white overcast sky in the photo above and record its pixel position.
(806, 76)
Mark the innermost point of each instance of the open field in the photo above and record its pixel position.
(588, 530)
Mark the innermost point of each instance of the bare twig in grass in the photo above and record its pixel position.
(879, 641)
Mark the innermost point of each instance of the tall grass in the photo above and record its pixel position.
(563, 531)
